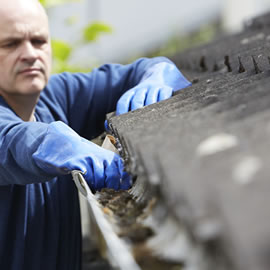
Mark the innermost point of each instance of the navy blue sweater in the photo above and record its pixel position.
(39, 214)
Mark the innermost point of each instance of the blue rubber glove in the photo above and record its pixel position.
(158, 83)
(63, 150)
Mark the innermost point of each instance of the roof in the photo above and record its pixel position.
(205, 151)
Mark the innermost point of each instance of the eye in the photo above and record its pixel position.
(11, 44)
(38, 41)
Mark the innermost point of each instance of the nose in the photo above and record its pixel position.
(28, 52)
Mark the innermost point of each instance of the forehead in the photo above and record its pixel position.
(28, 21)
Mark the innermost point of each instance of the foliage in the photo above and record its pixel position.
(180, 43)
(92, 31)
(50, 3)
(62, 51)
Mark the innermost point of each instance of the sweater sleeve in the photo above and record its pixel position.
(18, 141)
(85, 99)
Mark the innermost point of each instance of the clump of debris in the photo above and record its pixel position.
(127, 216)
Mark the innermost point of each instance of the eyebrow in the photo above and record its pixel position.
(19, 38)
(39, 33)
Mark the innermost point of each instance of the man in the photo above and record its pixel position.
(43, 126)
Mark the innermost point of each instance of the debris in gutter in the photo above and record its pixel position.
(127, 216)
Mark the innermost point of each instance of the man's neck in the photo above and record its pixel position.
(23, 106)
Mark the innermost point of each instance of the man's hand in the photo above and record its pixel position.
(158, 83)
(63, 150)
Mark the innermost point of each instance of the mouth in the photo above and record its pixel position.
(31, 71)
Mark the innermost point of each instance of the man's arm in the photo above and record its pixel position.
(33, 152)
(18, 141)
(87, 98)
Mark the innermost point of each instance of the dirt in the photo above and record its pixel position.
(128, 216)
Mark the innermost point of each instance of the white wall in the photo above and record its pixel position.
(236, 12)
(139, 25)
(142, 24)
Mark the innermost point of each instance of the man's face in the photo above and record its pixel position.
(25, 51)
